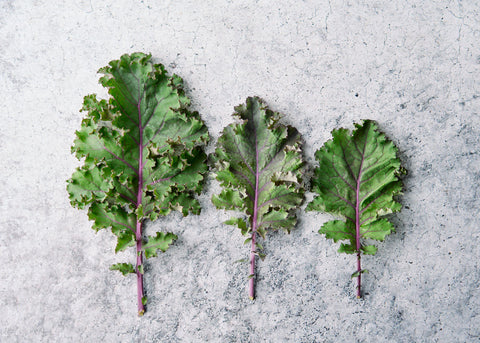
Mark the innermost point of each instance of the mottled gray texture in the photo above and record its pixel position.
(414, 66)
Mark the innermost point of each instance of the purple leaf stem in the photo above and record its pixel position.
(138, 233)
(254, 222)
(358, 223)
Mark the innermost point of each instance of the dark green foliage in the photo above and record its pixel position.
(357, 179)
(259, 164)
(142, 153)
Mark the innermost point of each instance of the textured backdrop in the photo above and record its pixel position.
(413, 66)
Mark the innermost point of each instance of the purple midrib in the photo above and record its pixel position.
(357, 200)
(357, 208)
(257, 175)
(358, 212)
(140, 155)
(357, 222)
(138, 233)
(255, 216)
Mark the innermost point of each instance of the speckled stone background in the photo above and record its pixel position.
(414, 66)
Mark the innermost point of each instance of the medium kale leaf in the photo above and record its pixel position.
(143, 156)
(357, 179)
(259, 164)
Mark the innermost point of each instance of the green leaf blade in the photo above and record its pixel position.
(357, 179)
(338, 230)
(125, 239)
(259, 165)
(124, 268)
(259, 158)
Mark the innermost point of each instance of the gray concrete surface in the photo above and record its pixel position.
(414, 66)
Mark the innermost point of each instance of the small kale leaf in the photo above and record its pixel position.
(259, 164)
(124, 268)
(357, 179)
(159, 242)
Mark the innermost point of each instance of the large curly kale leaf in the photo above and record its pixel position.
(143, 156)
